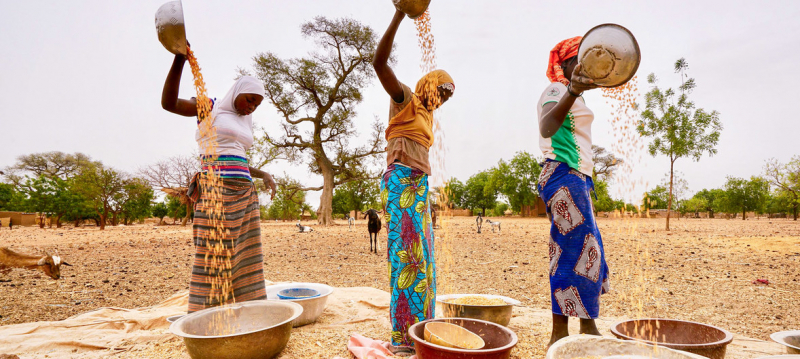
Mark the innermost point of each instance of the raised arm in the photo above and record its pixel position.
(556, 113)
(169, 96)
(381, 60)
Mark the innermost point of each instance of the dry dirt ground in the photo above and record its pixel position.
(702, 270)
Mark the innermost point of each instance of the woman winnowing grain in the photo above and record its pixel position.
(578, 269)
(404, 191)
(233, 126)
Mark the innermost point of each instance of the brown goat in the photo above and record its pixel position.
(50, 265)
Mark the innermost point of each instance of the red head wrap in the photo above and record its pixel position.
(564, 50)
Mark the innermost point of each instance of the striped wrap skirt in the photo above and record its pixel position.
(228, 262)
(578, 269)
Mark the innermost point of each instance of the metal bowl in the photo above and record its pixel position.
(312, 307)
(412, 8)
(702, 339)
(257, 329)
(790, 339)
(784, 356)
(500, 314)
(499, 340)
(583, 346)
(170, 27)
(609, 54)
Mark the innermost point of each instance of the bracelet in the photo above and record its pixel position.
(569, 90)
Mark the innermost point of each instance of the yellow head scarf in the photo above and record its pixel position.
(415, 121)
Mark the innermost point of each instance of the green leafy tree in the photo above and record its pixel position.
(455, 192)
(47, 164)
(711, 199)
(786, 178)
(135, 201)
(175, 208)
(693, 205)
(657, 198)
(479, 192)
(51, 196)
(517, 180)
(779, 202)
(160, 211)
(10, 198)
(289, 202)
(100, 186)
(678, 128)
(317, 98)
(500, 209)
(356, 195)
(604, 202)
(742, 195)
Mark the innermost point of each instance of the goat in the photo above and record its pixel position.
(351, 222)
(50, 265)
(478, 222)
(494, 224)
(433, 217)
(304, 229)
(374, 227)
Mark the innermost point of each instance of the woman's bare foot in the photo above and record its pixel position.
(589, 327)
(560, 328)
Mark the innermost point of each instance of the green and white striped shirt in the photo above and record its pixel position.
(572, 144)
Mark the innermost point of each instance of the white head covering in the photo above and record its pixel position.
(246, 85)
(234, 133)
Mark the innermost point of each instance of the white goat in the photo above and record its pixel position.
(304, 229)
(50, 265)
(494, 224)
(351, 222)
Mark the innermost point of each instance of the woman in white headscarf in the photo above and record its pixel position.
(228, 264)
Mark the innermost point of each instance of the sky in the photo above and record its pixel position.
(86, 76)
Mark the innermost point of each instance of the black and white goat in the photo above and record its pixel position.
(494, 224)
(304, 229)
(374, 227)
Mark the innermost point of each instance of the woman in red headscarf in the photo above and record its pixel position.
(578, 270)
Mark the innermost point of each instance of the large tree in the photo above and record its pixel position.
(480, 193)
(289, 202)
(745, 195)
(47, 164)
(356, 195)
(786, 179)
(172, 176)
(604, 163)
(100, 186)
(517, 180)
(678, 128)
(317, 97)
(454, 192)
(710, 198)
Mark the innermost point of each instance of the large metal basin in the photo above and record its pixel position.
(499, 340)
(583, 346)
(170, 27)
(312, 307)
(500, 314)
(412, 8)
(790, 339)
(609, 54)
(257, 329)
(702, 339)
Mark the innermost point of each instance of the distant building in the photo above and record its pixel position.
(20, 218)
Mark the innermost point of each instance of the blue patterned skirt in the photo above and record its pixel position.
(578, 269)
(412, 272)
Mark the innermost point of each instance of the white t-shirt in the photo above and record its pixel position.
(572, 144)
(234, 135)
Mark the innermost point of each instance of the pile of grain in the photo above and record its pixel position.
(477, 300)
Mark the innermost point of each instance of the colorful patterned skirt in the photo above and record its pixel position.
(412, 272)
(228, 264)
(578, 269)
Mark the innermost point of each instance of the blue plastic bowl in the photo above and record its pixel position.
(298, 293)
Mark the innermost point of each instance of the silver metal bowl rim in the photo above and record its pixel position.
(513, 343)
(174, 327)
(779, 356)
(725, 341)
(635, 44)
(780, 337)
(325, 290)
(509, 301)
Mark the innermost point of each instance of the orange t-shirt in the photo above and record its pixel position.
(404, 150)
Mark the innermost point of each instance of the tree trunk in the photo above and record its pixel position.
(795, 211)
(325, 212)
(186, 218)
(103, 218)
(711, 213)
(58, 221)
(669, 199)
(744, 214)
